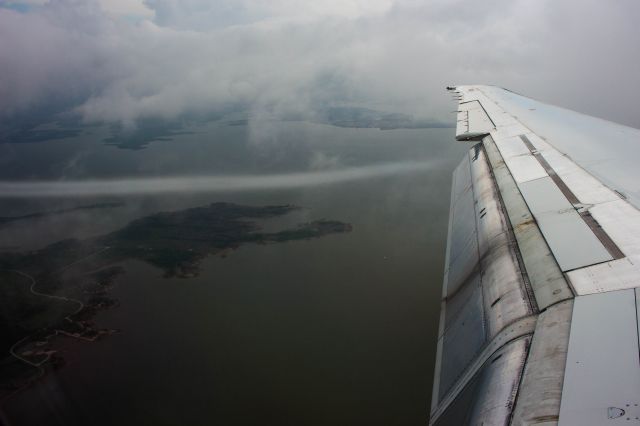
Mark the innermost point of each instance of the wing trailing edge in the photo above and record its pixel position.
(541, 274)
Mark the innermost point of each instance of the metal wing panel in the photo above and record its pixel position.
(505, 299)
(573, 244)
(539, 395)
(463, 242)
(545, 277)
(586, 188)
(490, 395)
(485, 293)
(463, 338)
(473, 121)
(463, 331)
(525, 168)
(505, 296)
(587, 194)
(607, 150)
(602, 370)
(577, 177)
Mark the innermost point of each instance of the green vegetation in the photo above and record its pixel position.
(368, 118)
(39, 215)
(145, 132)
(58, 289)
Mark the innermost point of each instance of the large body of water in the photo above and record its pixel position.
(339, 330)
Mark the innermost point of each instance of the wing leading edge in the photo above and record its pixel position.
(539, 320)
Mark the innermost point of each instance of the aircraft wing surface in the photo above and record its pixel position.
(539, 315)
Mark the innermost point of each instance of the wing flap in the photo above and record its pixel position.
(484, 289)
(566, 211)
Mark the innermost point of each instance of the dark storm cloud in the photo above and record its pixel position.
(285, 56)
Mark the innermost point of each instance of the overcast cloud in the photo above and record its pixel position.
(120, 61)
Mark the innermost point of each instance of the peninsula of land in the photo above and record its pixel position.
(53, 294)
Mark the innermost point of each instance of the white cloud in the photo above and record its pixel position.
(286, 56)
(322, 161)
(208, 184)
(207, 14)
(133, 8)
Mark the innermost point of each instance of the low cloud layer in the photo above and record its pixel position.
(122, 61)
(209, 184)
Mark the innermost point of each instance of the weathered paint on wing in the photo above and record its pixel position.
(549, 240)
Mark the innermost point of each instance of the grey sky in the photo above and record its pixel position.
(119, 61)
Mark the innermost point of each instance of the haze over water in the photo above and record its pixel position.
(335, 330)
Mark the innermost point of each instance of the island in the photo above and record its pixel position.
(54, 293)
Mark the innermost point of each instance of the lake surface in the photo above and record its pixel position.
(336, 330)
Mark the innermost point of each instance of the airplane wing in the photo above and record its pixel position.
(539, 316)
